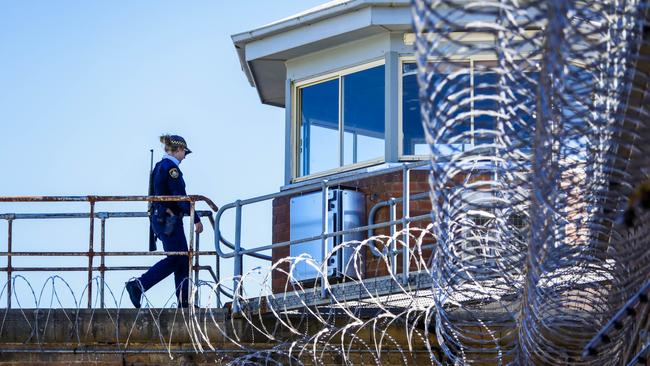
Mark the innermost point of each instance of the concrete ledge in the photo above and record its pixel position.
(109, 326)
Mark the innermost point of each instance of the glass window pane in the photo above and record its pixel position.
(363, 115)
(485, 106)
(451, 83)
(453, 106)
(319, 110)
(520, 121)
(413, 134)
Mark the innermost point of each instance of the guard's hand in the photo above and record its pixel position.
(198, 227)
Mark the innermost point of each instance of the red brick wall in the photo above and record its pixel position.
(376, 189)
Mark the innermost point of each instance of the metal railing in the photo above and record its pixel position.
(324, 185)
(238, 250)
(193, 252)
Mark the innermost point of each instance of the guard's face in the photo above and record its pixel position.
(178, 154)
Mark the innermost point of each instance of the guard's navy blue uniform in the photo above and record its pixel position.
(168, 181)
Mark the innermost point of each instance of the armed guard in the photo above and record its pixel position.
(167, 224)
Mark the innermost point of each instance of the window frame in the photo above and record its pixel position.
(410, 58)
(296, 123)
(400, 110)
(400, 94)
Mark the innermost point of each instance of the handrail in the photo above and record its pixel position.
(323, 185)
(326, 236)
(238, 250)
(302, 189)
(188, 198)
(391, 203)
(83, 215)
(192, 253)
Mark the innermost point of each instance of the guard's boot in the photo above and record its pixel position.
(135, 292)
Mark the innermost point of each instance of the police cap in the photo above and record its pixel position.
(176, 140)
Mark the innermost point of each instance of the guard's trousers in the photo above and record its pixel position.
(176, 264)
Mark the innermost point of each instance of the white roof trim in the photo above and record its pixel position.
(318, 13)
(314, 15)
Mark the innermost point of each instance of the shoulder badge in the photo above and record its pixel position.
(173, 172)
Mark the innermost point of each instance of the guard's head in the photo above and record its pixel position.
(175, 145)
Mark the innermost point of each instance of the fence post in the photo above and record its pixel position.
(190, 253)
(9, 239)
(217, 269)
(406, 199)
(90, 252)
(102, 264)
(324, 263)
(392, 250)
(237, 290)
(197, 238)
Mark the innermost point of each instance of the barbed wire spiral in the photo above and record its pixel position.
(360, 323)
(535, 114)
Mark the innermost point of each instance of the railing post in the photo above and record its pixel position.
(196, 262)
(217, 270)
(190, 253)
(406, 199)
(90, 252)
(238, 260)
(9, 239)
(217, 262)
(324, 264)
(102, 265)
(392, 250)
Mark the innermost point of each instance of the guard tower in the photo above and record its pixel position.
(345, 73)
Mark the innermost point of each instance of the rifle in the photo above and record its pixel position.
(152, 235)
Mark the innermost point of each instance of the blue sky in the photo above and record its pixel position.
(86, 88)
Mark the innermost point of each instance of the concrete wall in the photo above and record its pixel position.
(56, 337)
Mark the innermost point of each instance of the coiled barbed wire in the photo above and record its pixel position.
(478, 69)
(385, 319)
(535, 109)
(359, 322)
(581, 182)
(535, 114)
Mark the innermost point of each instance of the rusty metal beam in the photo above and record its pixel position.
(190, 198)
(91, 253)
(108, 254)
(85, 215)
(84, 269)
